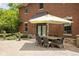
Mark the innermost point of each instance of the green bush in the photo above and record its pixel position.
(1, 35)
(24, 36)
(18, 34)
(14, 36)
(11, 37)
(8, 34)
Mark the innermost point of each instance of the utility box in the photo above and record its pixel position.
(77, 41)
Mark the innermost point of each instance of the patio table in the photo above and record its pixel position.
(58, 41)
(51, 37)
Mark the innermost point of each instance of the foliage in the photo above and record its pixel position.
(21, 35)
(11, 37)
(9, 18)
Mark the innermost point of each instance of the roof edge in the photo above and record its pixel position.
(24, 5)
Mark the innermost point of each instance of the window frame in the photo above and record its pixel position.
(25, 10)
(41, 6)
(68, 30)
(67, 25)
(25, 27)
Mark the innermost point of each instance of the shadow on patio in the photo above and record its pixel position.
(34, 47)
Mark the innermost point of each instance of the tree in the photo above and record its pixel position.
(9, 19)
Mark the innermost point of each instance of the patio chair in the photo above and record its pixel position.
(39, 40)
(62, 45)
(59, 43)
(47, 43)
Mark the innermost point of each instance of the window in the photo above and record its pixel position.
(67, 26)
(41, 5)
(26, 27)
(26, 10)
(67, 29)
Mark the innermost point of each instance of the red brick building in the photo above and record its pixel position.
(69, 11)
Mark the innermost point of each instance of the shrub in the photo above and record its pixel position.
(24, 36)
(1, 35)
(8, 34)
(11, 37)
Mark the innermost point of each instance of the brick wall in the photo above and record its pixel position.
(60, 10)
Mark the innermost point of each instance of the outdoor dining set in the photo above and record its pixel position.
(43, 17)
(49, 41)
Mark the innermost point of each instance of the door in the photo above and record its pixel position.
(41, 30)
(44, 30)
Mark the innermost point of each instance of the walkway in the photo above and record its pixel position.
(29, 48)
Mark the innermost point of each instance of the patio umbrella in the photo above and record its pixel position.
(47, 18)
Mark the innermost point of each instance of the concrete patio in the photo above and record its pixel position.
(29, 48)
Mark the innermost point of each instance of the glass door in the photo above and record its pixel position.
(44, 30)
(41, 30)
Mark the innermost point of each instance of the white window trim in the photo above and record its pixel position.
(25, 11)
(24, 26)
(68, 18)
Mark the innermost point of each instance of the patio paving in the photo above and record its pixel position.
(29, 48)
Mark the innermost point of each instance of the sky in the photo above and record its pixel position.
(4, 5)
